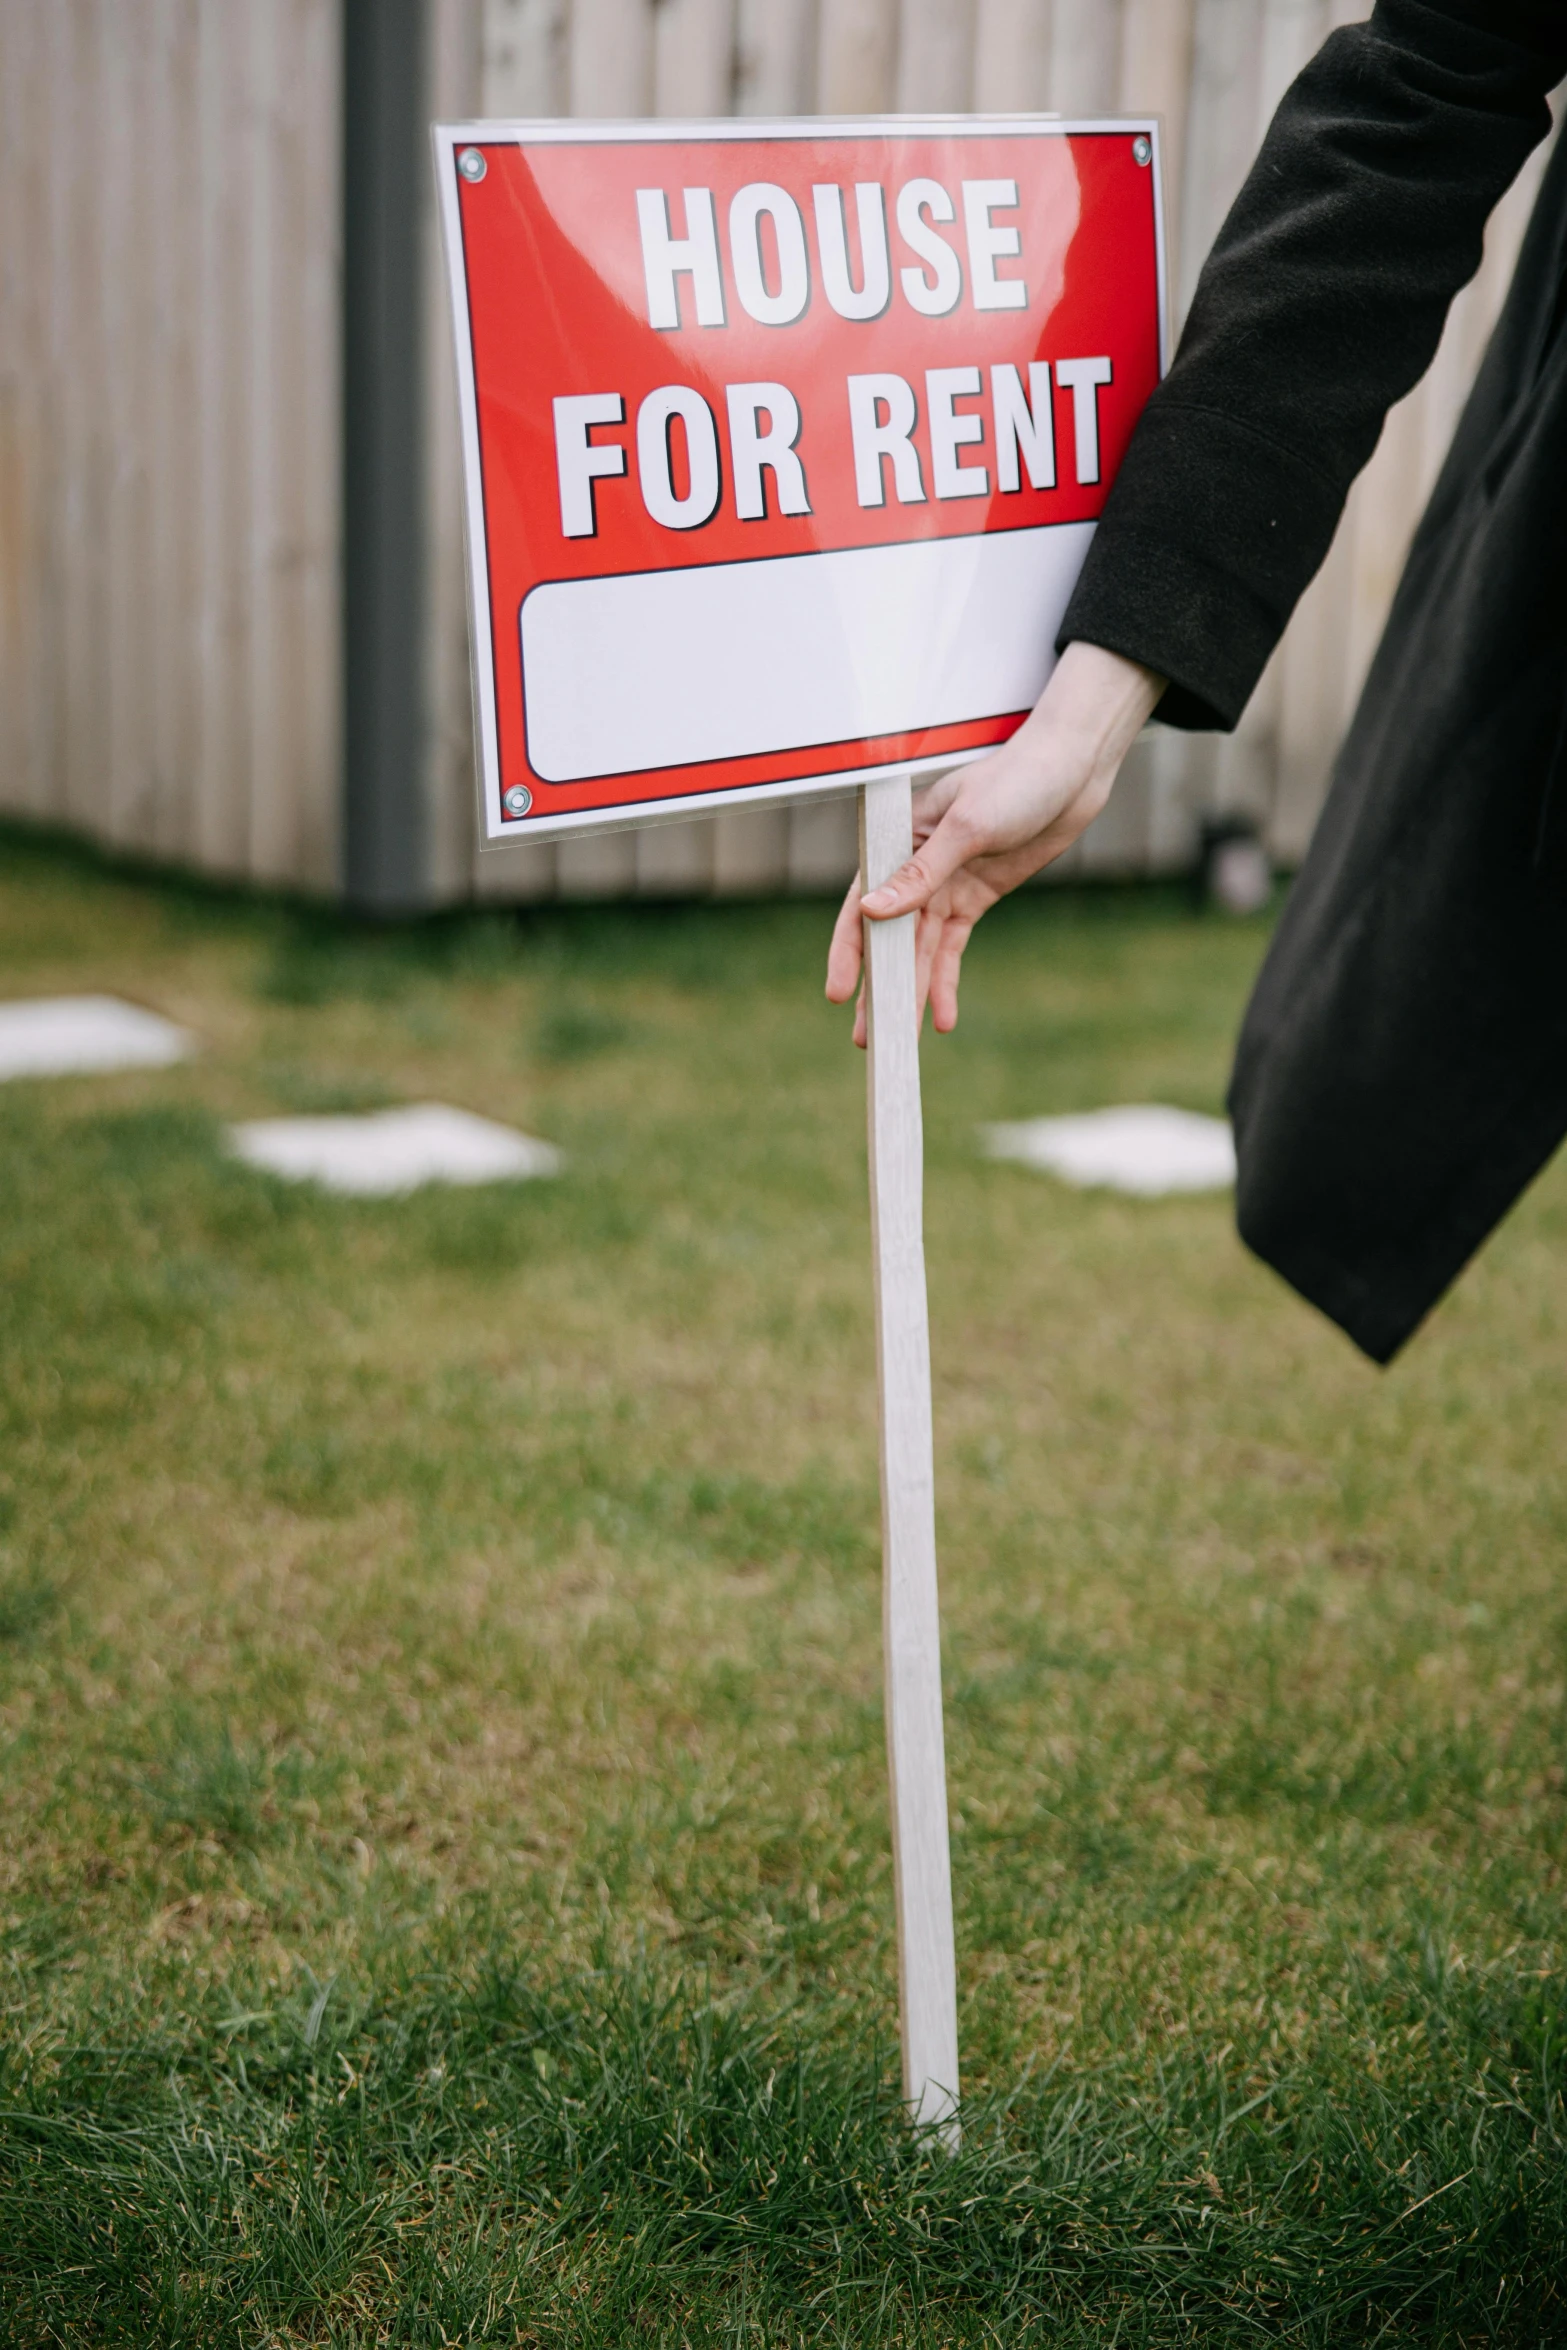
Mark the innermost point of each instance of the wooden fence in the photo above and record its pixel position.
(171, 423)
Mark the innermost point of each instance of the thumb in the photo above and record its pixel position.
(916, 883)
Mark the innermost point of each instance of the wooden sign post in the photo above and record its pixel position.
(911, 1626)
(783, 443)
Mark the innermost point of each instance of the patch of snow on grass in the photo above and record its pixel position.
(1145, 1148)
(75, 1035)
(392, 1151)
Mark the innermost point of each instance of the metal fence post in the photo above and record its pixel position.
(386, 166)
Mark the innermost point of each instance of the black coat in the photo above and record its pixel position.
(1402, 1070)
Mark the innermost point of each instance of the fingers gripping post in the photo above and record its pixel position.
(911, 1630)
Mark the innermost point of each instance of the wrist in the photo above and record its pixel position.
(1094, 706)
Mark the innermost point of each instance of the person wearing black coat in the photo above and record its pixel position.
(1402, 1067)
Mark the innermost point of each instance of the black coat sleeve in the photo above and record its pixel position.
(1320, 305)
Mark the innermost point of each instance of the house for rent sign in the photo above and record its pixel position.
(783, 442)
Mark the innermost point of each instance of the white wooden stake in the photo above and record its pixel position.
(911, 1628)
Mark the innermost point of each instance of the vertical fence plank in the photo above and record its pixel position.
(1221, 126)
(74, 363)
(13, 533)
(823, 846)
(57, 412)
(610, 58)
(856, 59)
(222, 423)
(775, 57)
(84, 427)
(936, 57)
(171, 583)
(14, 549)
(117, 188)
(522, 62)
(44, 637)
(294, 649)
(675, 860)
(295, 817)
(1291, 33)
(1012, 56)
(1156, 69)
(317, 524)
(23, 328)
(750, 852)
(693, 58)
(267, 811)
(1085, 56)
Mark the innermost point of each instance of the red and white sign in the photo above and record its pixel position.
(783, 442)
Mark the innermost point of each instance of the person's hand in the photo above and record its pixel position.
(981, 830)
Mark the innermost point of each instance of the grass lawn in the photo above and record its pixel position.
(444, 1884)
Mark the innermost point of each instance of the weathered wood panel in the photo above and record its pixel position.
(169, 401)
(169, 334)
(775, 63)
(1012, 56)
(28, 601)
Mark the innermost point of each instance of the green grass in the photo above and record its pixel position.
(444, 1888)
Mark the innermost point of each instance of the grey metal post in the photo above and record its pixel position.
(386, 164)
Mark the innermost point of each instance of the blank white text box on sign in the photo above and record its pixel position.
(666, 668)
